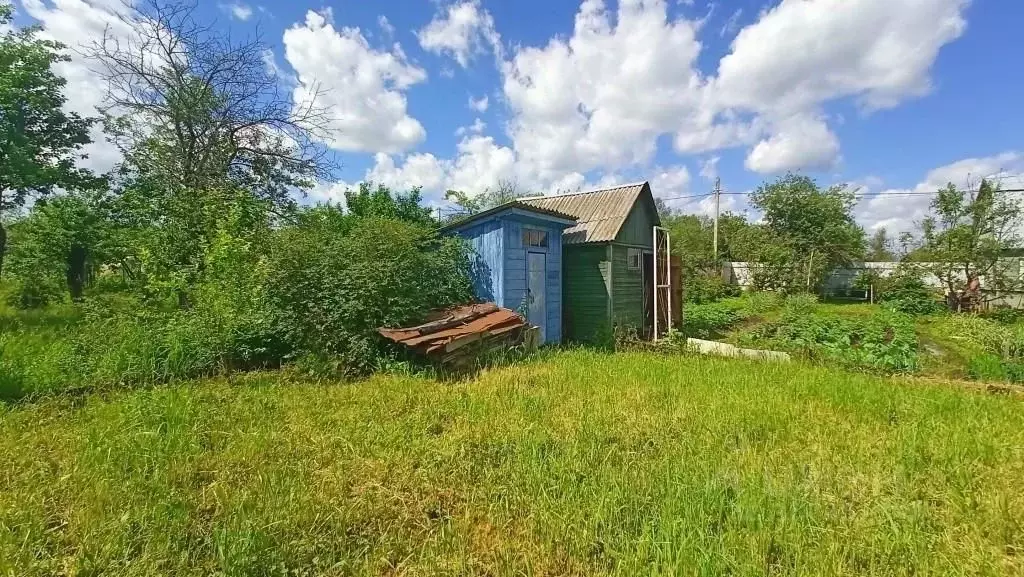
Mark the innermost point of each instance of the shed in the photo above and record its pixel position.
(608, 257)
(517, 261)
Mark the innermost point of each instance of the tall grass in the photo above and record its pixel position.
(586, 464)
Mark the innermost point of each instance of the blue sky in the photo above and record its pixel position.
(888, 95)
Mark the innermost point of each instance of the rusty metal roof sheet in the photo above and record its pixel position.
(600, 214)
(454, 328)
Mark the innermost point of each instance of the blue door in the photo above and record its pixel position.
(537, 311)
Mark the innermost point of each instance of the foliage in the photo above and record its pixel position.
(705, 288)
(381, 202)
(212, 116)
(880, 247)
(711, 319)
(905, 291)
(58, 249)
(885, 341)
(39, 141)
(468, 204)
(965, 235)
(586, 464)
(333, 289)
(810, 232)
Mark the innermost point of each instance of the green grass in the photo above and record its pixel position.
(584, 464)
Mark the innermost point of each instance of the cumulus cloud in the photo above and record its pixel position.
(800, 142)
(462, 31)
(477, 127)
(600, 98)
(362, 88)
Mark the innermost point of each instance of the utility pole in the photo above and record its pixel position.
(718, 198)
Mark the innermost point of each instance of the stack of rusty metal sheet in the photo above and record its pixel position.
(446, 336)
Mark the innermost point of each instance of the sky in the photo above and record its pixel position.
(892, 97)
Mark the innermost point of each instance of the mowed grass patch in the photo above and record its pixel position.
(585, 464)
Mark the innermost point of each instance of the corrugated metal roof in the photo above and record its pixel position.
(599, 213)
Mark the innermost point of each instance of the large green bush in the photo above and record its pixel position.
(333, 288)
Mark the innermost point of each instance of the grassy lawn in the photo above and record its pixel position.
(583, 464)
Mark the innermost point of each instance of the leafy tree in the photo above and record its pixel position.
(965, 235)
(880, 247)
(39, 141)
(203, 126)
(812, 230)
(193, 108)
(506, 191)
(58, 248)
(381, 202)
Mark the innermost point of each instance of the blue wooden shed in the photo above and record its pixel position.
(517, 261)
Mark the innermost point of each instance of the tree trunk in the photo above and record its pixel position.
(76, 271)
(3, 247)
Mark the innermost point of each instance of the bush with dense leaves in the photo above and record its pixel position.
(332, 288)
(906, 292)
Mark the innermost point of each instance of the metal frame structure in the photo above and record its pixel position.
(666, 277)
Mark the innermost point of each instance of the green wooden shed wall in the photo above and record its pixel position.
(600, 290)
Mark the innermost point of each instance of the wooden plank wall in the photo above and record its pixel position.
(628, 291)
(585, 315)
(487, 265)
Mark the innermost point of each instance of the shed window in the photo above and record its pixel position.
(634, 257)
(535, 238)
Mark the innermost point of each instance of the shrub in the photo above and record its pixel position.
(704, 321)
(703, 288)
(801, 304)
(906, 292)
(331, 290)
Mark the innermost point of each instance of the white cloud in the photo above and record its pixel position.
(238, 10)
(802, 53)
(479, 105)
(799, 142)
(709, 168)
(599, 99)
(900, 210)
(479, 164)
(330, 192)
(362, 88)
(385, 25)
(462, 31)
(670, 182)
(477, 127)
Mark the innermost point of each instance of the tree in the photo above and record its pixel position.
(39, 142)
(63, 241)
(381, 202)
(880, 247)
(811, 231)
(203, 126)
(192, 108)
(965, 235)
(506, 191)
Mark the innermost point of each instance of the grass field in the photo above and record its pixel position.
(583, 464)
